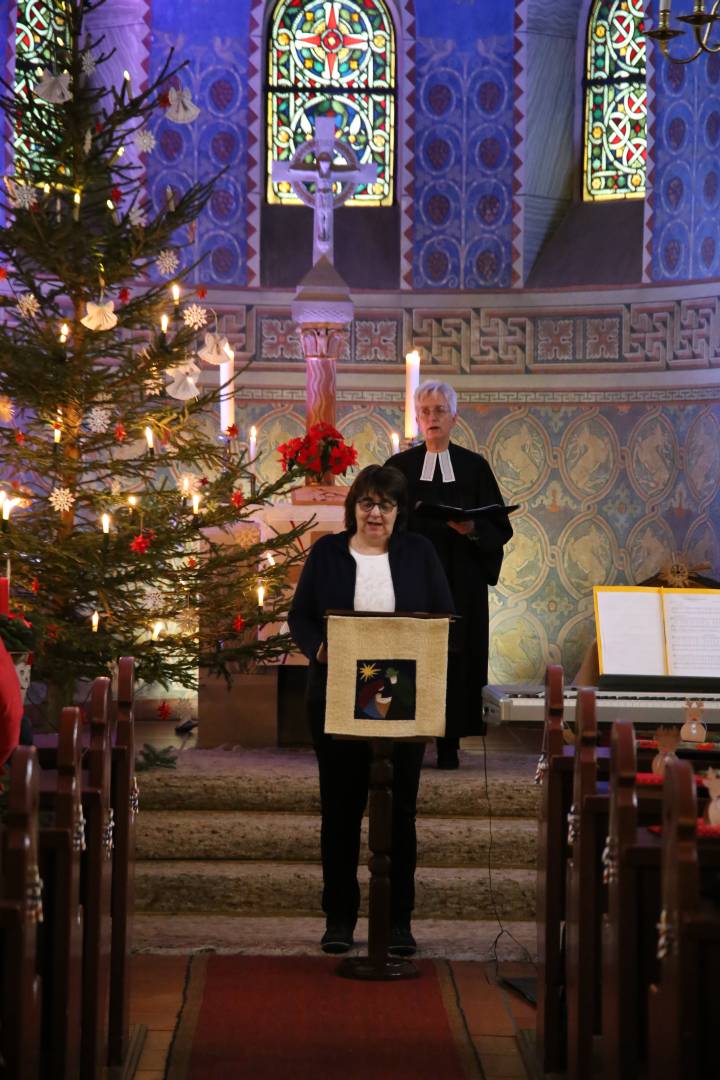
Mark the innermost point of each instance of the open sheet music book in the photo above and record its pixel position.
(642, 631)
(441, 512)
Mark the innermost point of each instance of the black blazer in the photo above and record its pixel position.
(327, 583)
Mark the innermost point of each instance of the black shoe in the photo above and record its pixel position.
(338, 938)
(402, 942)
(448, 759)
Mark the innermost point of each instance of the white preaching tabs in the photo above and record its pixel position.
(446, 469)
(692, 628)
(630, 632)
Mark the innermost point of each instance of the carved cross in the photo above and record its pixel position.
(324, 172)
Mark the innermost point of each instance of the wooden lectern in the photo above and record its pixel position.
(387, 675)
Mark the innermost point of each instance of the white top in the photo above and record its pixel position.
(430, 463)
(373, 583)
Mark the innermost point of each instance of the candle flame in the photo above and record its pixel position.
(175, 290)
(95, 620)
(395, 440)
(8, 505)
(196, 501)
(132, 501)
(228, 351)
(106, 523)
(253, 433)
(164, 323)
(261, 595)
(149, 437)
(157, 630)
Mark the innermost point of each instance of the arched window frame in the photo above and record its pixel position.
(587, 83)
(403, 15)
(378, 83)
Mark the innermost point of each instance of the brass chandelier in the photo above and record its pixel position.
(701, 22)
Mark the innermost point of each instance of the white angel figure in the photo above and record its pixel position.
(54, 89)
(184, 385)
(100, 316)
(182, 108)
(213, 351)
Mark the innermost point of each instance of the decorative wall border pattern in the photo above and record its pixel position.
(520, 398)
(649, 335)
(519, 125)
(649, 222)
(404, 17)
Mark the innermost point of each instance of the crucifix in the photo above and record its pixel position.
(324, 172)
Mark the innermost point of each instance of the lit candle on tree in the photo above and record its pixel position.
(8, 505)
(175, 290)
(150, 440)
(132, 502)
(261, 595)
(412, 381)
(227, 401)
(157, 630)
(106, 530)
(95, 620)
(195, 506)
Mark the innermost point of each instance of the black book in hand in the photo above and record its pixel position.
(441, 512)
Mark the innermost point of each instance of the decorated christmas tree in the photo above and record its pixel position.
(118, 481)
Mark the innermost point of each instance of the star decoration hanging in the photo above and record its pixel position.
(22, 196)
(167, 262)
(237, 499)
(20, 438)
(238, 623)
(120, 433)
(99, 420)
(61, 499)
(140, 543)
(28, 305)
(194, 316)
(145, 141)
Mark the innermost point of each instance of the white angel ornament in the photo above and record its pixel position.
(213, 351)
(182, 108)
(54, 89)
(184, 385)
(100, 316)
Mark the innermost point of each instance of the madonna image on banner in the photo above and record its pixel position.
(385, 690)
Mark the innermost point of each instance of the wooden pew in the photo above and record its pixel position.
(96, 882)
(587, 828)
(633, 869)
(682, 1004)
(62, 841)
(551, 854)
(125, 802)
(20, 913)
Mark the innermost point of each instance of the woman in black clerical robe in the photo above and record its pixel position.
(471, 552)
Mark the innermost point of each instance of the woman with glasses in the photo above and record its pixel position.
(439, 471)
(373, 565)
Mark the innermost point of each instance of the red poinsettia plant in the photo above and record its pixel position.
(321, 450)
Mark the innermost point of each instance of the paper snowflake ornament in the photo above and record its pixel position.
(167, 262)
(99, 420)
(28, 305)
(195, 316)
(145, 141)
(61, 499)
(22, 196)
(213, 351)
(55, 89)
(100, 316)
(181, 109)
(188, 621)
(7, 409)
(184, 381)
(154, 599)
(138, 217)
(87, 62)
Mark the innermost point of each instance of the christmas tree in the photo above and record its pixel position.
(118, 484)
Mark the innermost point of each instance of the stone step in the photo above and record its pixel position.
(286, 781)
(455, 939)
(291, 888)
(225, 834)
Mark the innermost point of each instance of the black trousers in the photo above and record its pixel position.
(344, 766)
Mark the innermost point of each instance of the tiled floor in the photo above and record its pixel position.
(494, 1015)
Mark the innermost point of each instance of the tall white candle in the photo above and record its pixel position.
(412, 381)
(227, 401)
(261, 595)
(252, 447)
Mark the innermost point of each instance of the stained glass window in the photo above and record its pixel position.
(41, 27)
(615, 101)
(333, 56)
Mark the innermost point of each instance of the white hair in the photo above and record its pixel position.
(432, 387)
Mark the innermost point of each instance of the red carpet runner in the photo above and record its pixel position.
(271, 1018)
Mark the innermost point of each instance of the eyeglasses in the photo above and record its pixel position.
(385, 506)
(436, 410)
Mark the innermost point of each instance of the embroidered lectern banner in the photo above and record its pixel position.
(386, 675)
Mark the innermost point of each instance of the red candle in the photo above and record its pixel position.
(4, 596)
